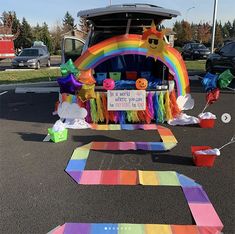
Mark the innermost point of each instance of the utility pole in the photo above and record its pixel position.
(110, 2)
(214, 25)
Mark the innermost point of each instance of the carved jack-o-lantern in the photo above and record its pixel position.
(141, 84)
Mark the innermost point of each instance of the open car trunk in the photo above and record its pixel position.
(126, 19)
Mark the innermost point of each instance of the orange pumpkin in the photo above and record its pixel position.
(141, 84)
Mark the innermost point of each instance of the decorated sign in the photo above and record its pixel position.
(126, 100)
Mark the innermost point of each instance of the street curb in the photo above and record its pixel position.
(8, 87)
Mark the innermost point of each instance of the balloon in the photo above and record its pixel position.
(68, 67)
(69, 84)
(225, 79)
(87, 92)
(209, 81)
(212, 96)
(108, 84)
(141, 84)
(86, 77)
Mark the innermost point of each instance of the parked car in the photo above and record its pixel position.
(195, 51)
(222, 59)
(33, 57)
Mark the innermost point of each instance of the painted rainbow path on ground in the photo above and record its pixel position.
(206, 219)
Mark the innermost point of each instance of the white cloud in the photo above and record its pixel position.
(185, 102)
(71, 111)
(183, 119)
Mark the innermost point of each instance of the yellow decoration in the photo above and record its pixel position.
(87, 92)
(154, 42)
(168, 106)
(99, 105)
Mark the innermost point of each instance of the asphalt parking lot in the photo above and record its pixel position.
(36, 194)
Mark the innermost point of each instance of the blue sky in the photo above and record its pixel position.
(51, 11)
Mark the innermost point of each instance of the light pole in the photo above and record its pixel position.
(214, 25)
(110, 2)
(190, 8)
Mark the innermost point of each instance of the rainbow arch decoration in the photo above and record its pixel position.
(132, 44)
(203, 212)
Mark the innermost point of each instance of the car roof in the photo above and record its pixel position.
(31, 48)
(129, 8)
(231, 42)
(194, 43)
(118, 15)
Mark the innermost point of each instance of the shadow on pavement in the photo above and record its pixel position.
(27, 136)
(30, 107)
(172, 159)
(87, 139)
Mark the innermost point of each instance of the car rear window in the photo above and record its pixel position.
(101, 35)
(198, 46)
(32, 52)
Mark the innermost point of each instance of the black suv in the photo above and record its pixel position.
(222, 59)
(195, 51)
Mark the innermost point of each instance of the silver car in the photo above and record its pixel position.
(33, 57)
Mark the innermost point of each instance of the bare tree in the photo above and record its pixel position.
(57, 34)
(9, 24)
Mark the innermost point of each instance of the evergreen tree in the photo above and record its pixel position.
(229, 27)
(25, 37)
(194, 28)
(233, 29)
(225, 31)
(15, 23)
(16, 29)
(41, 33)
(46, 37)
(68, 22)
(218, 35)
(37, 32)
(178, 30)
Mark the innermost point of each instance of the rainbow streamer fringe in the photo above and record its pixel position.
(159, 108)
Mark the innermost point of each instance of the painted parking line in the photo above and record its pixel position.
(3, 93)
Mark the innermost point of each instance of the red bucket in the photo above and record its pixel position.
(131, 75)
(207, 123)
(202, 160)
